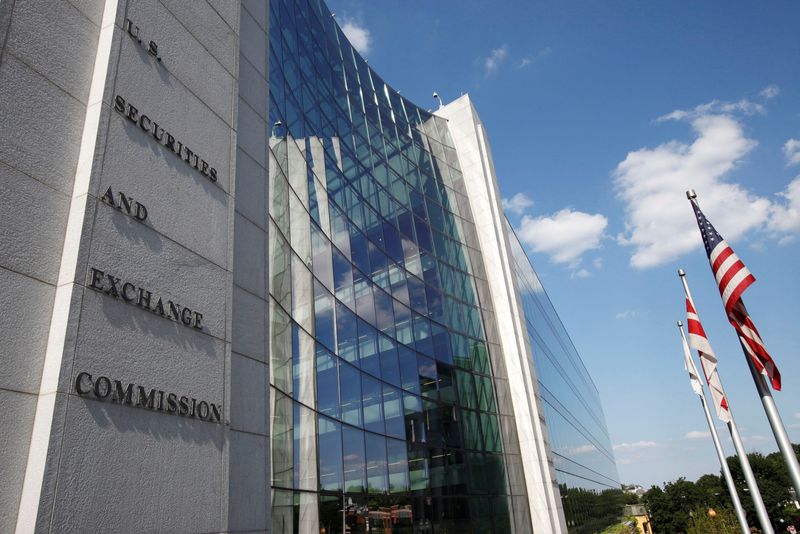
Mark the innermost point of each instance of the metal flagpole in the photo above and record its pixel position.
(773, 416)
(749, 477)
(775, 421)
(726, 471)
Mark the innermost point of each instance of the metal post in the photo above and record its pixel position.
(749, 477)
(774, 418)
(726, 472)
(775, 422)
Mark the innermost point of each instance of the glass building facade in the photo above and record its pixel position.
(581, 447)
(389, 409)
(390, 404)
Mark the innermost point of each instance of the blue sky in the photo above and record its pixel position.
(600, 115)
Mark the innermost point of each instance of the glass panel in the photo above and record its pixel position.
(303, 356)
(330, 454)
(414, 421)
(398, 465)
(393, 412)
(376, 463)
(350, 380)
(409, 375)
(368, 349)
(346, 334)
(373, 404)
(426, 368)
(327, 383)
(390, 367)
(280, 352)
(324, 328)
(331, 516)
(282, 440)
(305, 454)
(354, 460)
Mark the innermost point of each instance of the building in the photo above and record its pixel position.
(246, 291)
(639, 515)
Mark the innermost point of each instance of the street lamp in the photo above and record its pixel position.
(439, 98)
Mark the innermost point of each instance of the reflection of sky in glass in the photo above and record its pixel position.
(578, 436)
(372, 271)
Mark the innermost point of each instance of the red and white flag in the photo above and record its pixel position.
(733, 278)
(699, 342)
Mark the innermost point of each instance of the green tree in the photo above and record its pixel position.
(773, 482)
(669, 506)
(720, 521)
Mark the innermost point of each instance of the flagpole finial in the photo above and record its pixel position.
(690, 194)
(681, 272)
(680, 324)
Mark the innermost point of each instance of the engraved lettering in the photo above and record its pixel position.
(102, 388)
(125, 287)
(97, 279)
(122, 396)
(79, 381)
(146, 400)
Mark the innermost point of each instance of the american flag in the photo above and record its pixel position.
(733, 278)
(699, 341)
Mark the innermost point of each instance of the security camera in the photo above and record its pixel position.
(435, 95)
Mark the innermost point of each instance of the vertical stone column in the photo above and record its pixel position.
(48, 53)
(248, 444)
(546, 511)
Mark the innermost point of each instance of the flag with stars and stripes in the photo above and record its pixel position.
(699, 342)
(733, 278)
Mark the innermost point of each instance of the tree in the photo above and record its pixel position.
(713, 521)
(671, 505)
(773, 482)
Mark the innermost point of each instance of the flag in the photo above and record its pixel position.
(699, 342)
(688, 364)
(733, 278)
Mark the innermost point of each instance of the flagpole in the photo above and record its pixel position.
(726, 471)
(775, 421)
(773, 416)
(749, 477)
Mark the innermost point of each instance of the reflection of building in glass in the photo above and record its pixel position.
(403, 397)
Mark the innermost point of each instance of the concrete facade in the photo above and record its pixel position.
(93, 462)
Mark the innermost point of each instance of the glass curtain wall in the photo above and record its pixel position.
(582, 453)
(390, 408)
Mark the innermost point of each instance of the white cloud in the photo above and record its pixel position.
(792, 151)
(627, 314)
(582, 273)
(495, 59)
(769, 92)
(544, 52)
(565, 235)
(597, 263)
(697, 434)
(635, 445)
(652, 181)
(754, 438)
(715, 107)
(358, 35)
(797, 415)
(785, 216)
(582, 449)
(517, 204)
